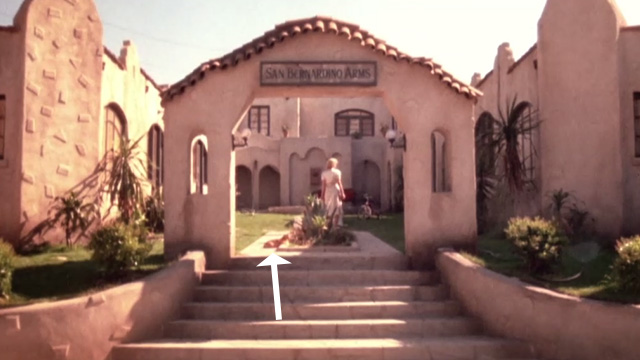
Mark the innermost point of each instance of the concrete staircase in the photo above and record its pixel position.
(365, 307)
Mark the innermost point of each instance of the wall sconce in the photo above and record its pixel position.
(244, 135)
(395, 141)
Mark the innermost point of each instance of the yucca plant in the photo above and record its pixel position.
(124, 169)
(511, 125)
(559, 200)
(73, 214)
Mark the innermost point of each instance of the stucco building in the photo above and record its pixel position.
(293, 137)
(223, 95)
(310, 89)
(64, 98)
(582, 78)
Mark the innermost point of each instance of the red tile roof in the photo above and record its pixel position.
(316, 24)
(113, 58)
(150, 79)
(484, 79)
(512, 67)
(117, 61)
(13, 29)
(523, 58)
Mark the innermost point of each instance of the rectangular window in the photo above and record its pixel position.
(342, 127)
(636, 122)
(367, 127)
(354, 126)
(259, 120)
(3, 124)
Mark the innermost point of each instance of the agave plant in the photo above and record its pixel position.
(73, 213)
(124, 169)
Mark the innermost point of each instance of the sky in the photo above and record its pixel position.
(175, 36)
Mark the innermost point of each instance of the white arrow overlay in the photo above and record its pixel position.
(275, 260)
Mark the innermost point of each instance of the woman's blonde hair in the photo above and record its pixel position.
(331, 163)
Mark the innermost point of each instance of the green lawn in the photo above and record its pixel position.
(60, 273)
(390, 228)
(250, 228)
(498, 254)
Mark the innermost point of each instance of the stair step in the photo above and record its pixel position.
(335, 261)
(340, 310)
(322, 329)
(307, 294)
(315, 278)
(309, 349)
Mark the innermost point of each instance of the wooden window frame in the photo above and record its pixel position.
(439, 184)
(358, 116)
(200, 173)
(636, 124)
(526, 140)
(3, 126)
(155, 153)
(110, 125)
(259, 129)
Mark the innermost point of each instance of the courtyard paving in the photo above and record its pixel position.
(366, 244)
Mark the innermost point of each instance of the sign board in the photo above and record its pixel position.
(315, 73)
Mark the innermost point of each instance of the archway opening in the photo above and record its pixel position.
(368, 182)
(269, 187)
(244, 188)
(291, 140)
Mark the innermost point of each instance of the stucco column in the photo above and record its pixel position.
(255, 185)
(580, 106)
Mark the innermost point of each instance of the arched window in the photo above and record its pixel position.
(526, 148)
(438, 162)
(199, 165)
(115, 128)
(485, 151)
(155, 151)
(3, 116)
(352, 121)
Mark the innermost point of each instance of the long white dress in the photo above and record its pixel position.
(332, 202)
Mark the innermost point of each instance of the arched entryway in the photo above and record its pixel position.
(366, 180)
(321, 57)
(244, 195)
(269, 187)
(304, 174)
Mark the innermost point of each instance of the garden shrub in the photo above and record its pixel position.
(626, 267)
(338, 236)
(7, 257)
(119, 247)
(154, 212)
(314, 227)
(538, 242)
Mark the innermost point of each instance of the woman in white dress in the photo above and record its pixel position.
(332, 191)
